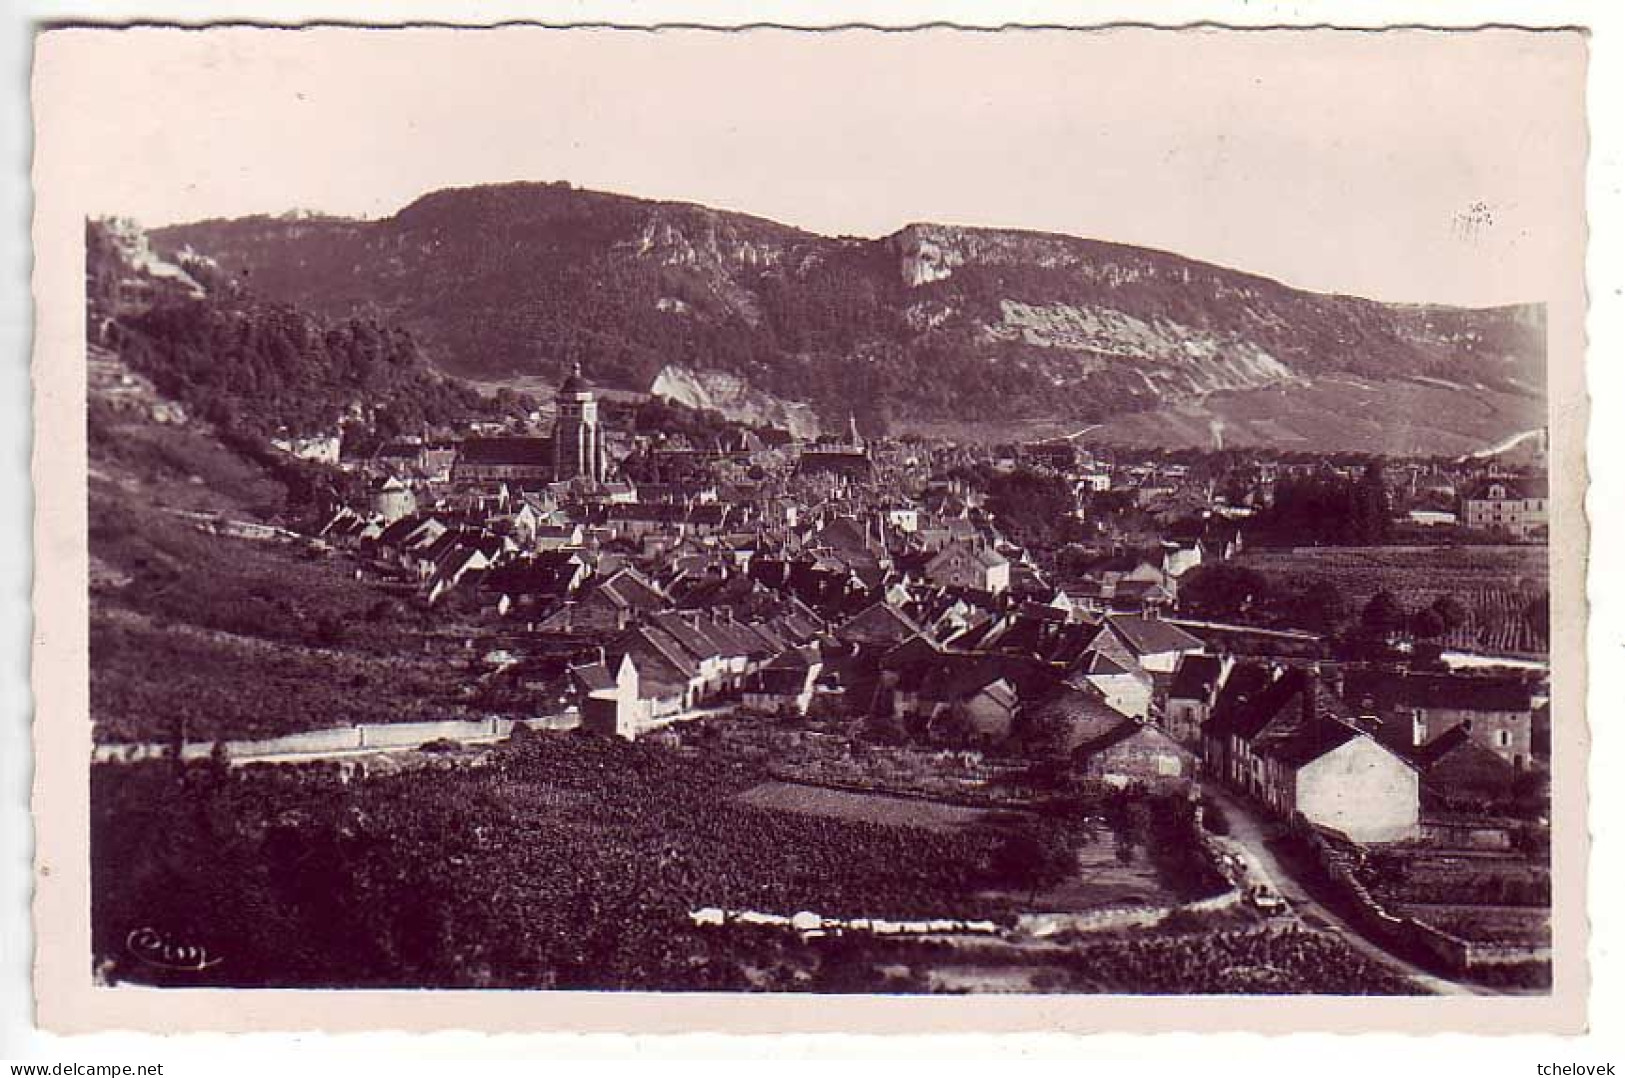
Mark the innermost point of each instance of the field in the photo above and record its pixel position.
(1335, 413)
(869, 808)
(1486, 924)
(219, 686)
(554, 860)
(1259, 960)
(1101, 879)
(829, 756)
(1444, 877)
(1495, 583)
(256, 641)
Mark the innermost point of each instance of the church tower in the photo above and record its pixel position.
(578, 449)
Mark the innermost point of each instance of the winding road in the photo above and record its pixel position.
(1252, 831)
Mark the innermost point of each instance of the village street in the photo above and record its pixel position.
(1252, 831)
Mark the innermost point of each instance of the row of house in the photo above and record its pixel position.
(1353, 750)
(673, 663)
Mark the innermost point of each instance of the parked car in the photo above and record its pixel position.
(1265, 901)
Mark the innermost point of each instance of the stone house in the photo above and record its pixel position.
(1137, 753)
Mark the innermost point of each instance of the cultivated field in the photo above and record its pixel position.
(1431, 877)
(1486, 924)
(1335, 412)
(864, 807)
(1496, 583)
(1102, 881)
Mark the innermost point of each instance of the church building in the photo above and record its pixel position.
(576, 450)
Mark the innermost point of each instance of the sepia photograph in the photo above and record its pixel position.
(939, 513)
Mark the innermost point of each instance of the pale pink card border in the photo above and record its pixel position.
(67, 1000)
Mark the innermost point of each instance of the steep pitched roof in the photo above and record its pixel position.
(917, 650)
(1237, 700)
(1150, 636)
(1466, 692)
(1453, 764)
(1195, 678)
(961, 677)
(1098, 664)
(594, 677)
(530, 578)
(1126, 730)
(842, 533)
(879, 622)
(1081, 708)
(853, 465)
(666, 652)
(627, 588)
(1309, 741)
(1431, 753)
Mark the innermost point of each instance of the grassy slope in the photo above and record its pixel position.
(235, 638)
(1334, 414)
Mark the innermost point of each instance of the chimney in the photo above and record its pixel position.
(1368, 719)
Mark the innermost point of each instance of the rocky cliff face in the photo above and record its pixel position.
(932, 324)
(719, 391)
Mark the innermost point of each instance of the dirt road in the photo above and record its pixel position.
(1252, 831)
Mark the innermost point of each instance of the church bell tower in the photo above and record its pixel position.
(578, 450)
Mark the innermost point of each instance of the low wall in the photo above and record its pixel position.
(1040, 925)
(812, 924)
(1472, 836)
(341, 739)
(1408, 935)
(989, 802)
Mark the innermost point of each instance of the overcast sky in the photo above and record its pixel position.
(1408, 166)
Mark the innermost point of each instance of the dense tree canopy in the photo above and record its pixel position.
(258, 368)
(1032, 508)
(1222, 590)
(1327, 509)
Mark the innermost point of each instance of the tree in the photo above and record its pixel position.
(1027, 859)
(1031, 507)
(1222, 590)
(1372, 511)
(1451, 610)
(1042, 734)
(1382, 616)
(1426, 624)
(1320, 607)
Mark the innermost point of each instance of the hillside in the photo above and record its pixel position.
(255, 638)
(255, 367)
(935, 327)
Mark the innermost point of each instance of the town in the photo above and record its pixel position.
(561, 684)
(1335, 664)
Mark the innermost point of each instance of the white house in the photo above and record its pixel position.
(611, 702)
(1340, 777)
